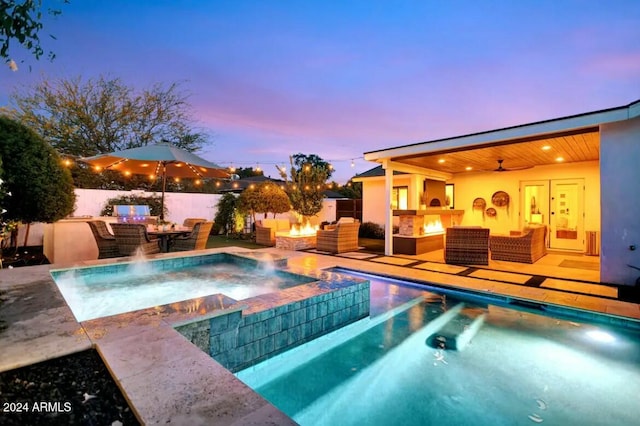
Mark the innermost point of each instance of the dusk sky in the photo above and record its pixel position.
(339, 78)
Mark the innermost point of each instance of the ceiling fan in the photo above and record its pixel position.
(502, 169)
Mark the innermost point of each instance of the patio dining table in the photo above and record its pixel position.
(166, 235)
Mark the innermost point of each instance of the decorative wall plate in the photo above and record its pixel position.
(491, 212)
(500, 199)
(479, 204)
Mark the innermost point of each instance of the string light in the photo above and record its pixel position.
(232, 166)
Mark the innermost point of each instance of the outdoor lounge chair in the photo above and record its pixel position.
(190, 221)
(467, 246)
(339, 238)
(133, 236)
(107, 246)
(196, 240)
(266, 230)
(525, 248)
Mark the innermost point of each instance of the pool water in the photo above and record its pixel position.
(520, 367)
(142, 284)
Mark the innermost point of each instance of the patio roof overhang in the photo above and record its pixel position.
(575, 138)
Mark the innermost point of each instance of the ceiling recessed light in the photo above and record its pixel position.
(468, 168)
(559, 159)
(441, 160)
(546, 147)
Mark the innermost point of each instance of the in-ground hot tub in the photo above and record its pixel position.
(99, 291)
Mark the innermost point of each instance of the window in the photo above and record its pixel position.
(399, 198)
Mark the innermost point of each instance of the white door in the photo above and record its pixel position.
(567, 214)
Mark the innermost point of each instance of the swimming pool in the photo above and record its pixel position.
(101, 291)
(520, 366)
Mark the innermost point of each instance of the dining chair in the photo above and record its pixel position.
(196, 240)
(106, 241)
(190, 221)
(133, 236)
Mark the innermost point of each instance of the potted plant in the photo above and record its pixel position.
(424, 200)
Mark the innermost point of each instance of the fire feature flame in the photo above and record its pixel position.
(298, 230)
(434, 227)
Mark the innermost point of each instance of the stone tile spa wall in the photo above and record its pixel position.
(239, 341)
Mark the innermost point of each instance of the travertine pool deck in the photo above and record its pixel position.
(168, 379)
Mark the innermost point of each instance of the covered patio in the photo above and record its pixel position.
(566, 174)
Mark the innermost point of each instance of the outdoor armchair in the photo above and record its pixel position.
(467, 246)
(196, 240)
(133, 236)
(107, 246)
(525, 248)
(340, 238)
(266, 230)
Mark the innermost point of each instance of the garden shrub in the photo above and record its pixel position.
(371, 230)
(229, 219)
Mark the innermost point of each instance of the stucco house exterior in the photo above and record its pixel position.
(579, 175)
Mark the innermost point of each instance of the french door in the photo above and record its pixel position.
(559, 204)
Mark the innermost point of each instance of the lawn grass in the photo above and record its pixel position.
(217, 241)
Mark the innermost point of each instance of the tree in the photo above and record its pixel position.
(228, 216)
(351, 189)
(22, 22)
(264, 198)
(245, 172)
(41, 188)
(306, 182)
(85, 118)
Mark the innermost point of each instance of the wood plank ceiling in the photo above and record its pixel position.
(582, 146)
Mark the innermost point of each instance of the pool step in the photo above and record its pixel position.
(459, 330)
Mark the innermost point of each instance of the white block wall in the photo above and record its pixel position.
(89, 202)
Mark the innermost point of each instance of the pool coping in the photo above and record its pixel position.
(143, 350)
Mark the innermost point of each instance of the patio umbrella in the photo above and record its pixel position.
(158, 160)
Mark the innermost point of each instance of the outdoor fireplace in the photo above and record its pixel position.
(421, 231)
(299, 237)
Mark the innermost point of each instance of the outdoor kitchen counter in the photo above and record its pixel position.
(71, 240)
